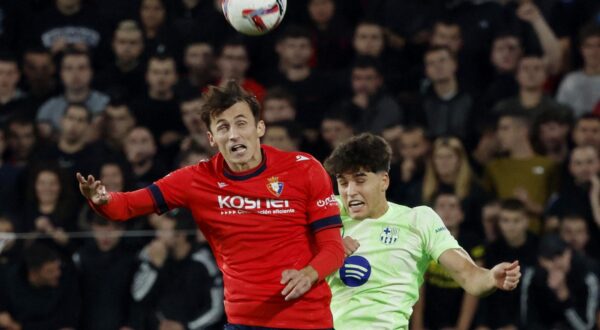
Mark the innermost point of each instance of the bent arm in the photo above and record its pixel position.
(475, 280)
(330, 255)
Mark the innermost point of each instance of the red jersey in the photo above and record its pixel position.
(260, 223)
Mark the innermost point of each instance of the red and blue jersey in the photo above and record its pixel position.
(259, 223)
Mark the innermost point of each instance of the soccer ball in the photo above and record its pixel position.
(254, 17)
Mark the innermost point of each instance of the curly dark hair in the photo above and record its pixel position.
(219, 99)
(365, 151)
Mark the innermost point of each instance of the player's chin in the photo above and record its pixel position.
(360, 215)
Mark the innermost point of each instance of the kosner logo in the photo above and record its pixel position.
(245, 203)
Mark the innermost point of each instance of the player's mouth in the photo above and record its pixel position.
(238, 149)
(355, 206)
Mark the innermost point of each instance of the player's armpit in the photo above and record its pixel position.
(331, 252)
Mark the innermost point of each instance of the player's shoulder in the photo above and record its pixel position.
(291, 159)
(419, 216)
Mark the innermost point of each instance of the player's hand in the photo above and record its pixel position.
(350, 245)
(92, 189)
(506, 275)
(298, 281)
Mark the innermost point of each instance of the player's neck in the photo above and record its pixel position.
(250, 165)
(380, 210)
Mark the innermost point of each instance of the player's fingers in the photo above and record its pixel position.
(80, 178)
(286, 275)
(301, 288)
(513, 265)
(290, 286)
(514, 272)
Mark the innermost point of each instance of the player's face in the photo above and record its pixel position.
(161, 75)
(237, 135)
(369, 40)
(363, 193)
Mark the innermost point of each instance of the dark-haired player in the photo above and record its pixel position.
(392, 245)
(266, 214)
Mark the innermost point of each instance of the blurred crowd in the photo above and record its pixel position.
(492, 108)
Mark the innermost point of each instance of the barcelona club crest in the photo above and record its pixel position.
(389, 235)
(274, 186)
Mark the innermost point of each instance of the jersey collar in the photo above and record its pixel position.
(245, 175)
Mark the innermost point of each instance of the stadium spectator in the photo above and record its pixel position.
(43, 293)
(125, 75)
(72, 152)
(446, 108)
(192, 156)
(574, 231)
(177, 284)
(313, 91)
(531, 75)
(9, 175)
(233, 64)
(66, 23)
(331, 36)
(39, 75)
(12, 99)
(448, 171)
(10, 251)
(459, 307)
(21, 139)
(283, 135)
(561, 291)
(579, 192)
(158, 108)
(278, 105)
(153, 19)
(336, 128)
(407, 176)
(586, 131)
(199, 62)
(105, 304)
(118, 120)
(371, 108)
(50, 208)
(190, 107)
(551, 135)
(522, 174)
(141, 153)
(581, 89)
(76, 75)
(515, 242)
(490, 212)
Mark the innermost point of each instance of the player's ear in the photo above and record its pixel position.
(385, 181)
(211, 139)
(260, 128)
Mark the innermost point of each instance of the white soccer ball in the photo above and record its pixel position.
(254, 17)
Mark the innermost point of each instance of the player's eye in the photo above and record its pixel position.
(222, 128)
(241, 123)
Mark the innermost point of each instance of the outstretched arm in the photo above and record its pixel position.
(115, 206)
(476, 280)
(530, 13)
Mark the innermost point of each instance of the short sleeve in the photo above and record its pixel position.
(322, 209)
(436, 237)
(172, 191)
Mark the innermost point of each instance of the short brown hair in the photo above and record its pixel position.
(367, 151)
(219, 99)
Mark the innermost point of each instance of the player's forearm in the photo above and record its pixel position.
(124, 206)
(478, 281)
(550, 45)
(330, 256)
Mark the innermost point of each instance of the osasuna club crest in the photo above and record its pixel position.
(389, 235)
(274, 186)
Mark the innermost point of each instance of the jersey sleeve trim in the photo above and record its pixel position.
(329, 222)
(159, 199)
